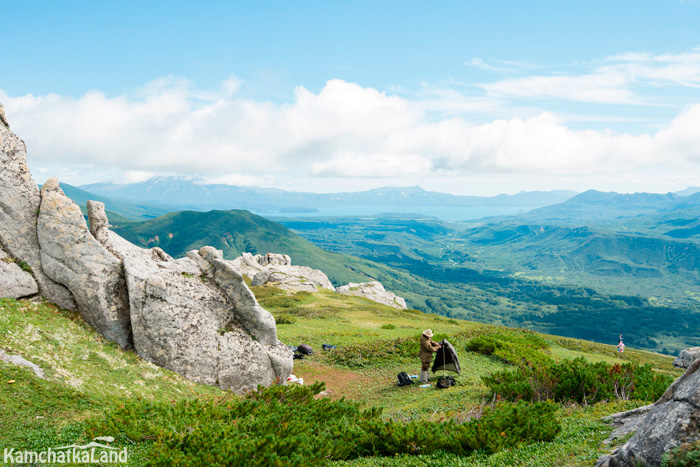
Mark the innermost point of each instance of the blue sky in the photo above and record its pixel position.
(466, 97)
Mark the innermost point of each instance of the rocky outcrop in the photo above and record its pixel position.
(274, 259)
(278, 270)
(297, 278)
(188, 324)
(686, 357)
(193, 315)
(19, 203)
(72, 257)
(672, 420)
(196, 316)
(373, 291)
(14, 281)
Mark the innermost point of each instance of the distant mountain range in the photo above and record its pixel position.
(185, 194)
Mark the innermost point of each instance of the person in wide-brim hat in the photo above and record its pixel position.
(427, 348)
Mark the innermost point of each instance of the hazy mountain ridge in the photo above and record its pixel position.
(187, 194)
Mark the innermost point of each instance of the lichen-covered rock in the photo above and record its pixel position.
(686, 357)
(19, 203)
(374, 291)
(190, 324)
(14, 281)
(72, 257)
(670, 422)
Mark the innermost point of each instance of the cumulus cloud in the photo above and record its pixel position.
(344, 131)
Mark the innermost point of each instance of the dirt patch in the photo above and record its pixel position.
(340, 382)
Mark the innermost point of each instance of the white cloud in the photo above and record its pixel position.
(343, 132)
(613, 80)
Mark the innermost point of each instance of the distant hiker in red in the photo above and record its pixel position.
(427, 348)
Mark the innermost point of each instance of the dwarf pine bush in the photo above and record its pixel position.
(578, 381)
(289, 426)
(514, 347)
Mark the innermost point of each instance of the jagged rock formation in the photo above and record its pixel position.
(99, 224)
(278, 270)
(15, 282)
(670, 422)
(686, 357)
(375, 291)
(72, 257)
(19, 203)
(193, 315)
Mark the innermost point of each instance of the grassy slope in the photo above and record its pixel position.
(88, 375)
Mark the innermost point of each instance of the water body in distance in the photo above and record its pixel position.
(445, 213)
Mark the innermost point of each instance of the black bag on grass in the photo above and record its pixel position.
(404, 379)
(305, 349)
(445, 382)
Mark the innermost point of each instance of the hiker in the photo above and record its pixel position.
(427, 347)
(620, 346)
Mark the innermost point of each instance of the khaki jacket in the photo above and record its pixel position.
(427, 347)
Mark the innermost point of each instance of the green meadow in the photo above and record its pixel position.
(96, 389)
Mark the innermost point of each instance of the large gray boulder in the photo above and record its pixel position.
(686, 357)
(19, 203)
(670, 422)
(197, 324)
(72, 257)
(14, 281)
(374, 291)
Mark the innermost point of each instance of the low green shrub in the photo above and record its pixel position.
(517, 347)
(272, 297)
(377, 352)
(578, 381)
(388, 326)
(289, 426)
(285, 319)
(25, 267)
(685, 455)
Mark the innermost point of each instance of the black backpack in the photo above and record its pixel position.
(404, 379)
(445, 382)
(305, 349)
